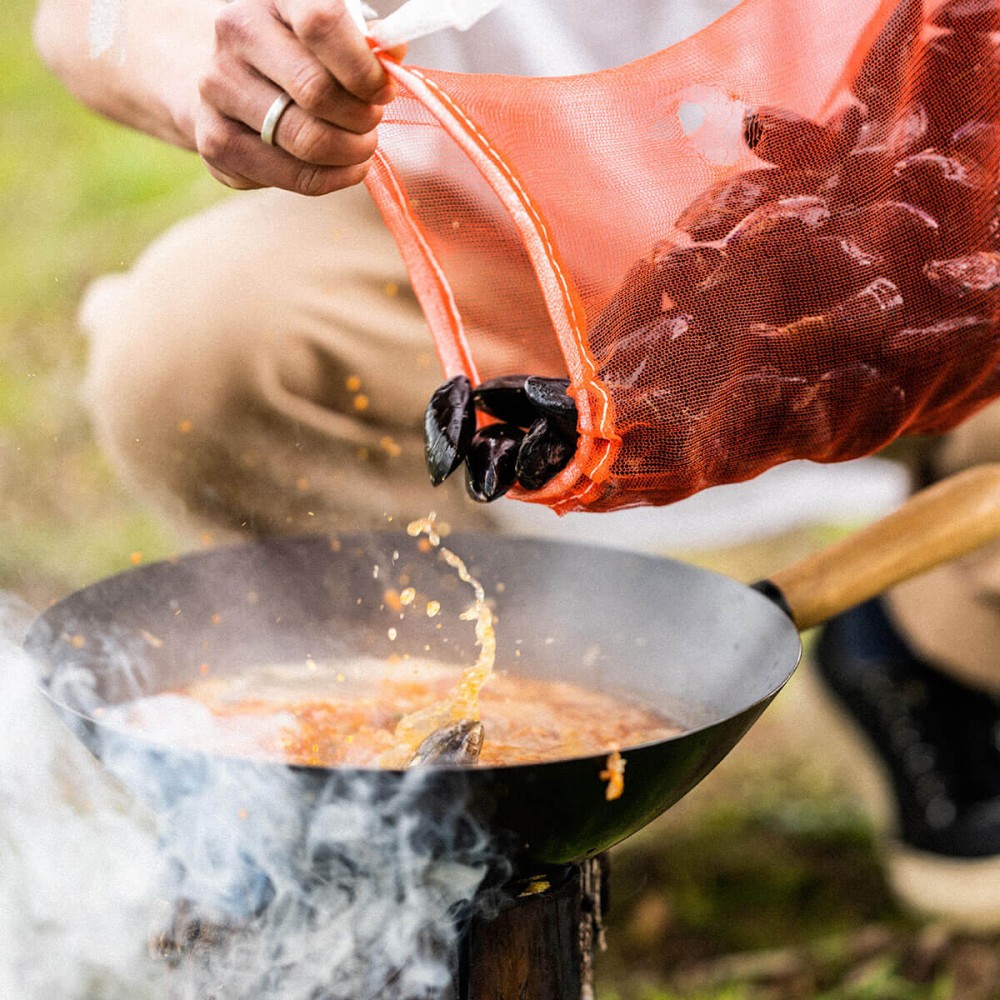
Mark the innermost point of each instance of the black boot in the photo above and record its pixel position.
(936, 745)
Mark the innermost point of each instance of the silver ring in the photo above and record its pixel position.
(273, 116)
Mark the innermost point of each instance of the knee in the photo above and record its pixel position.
(174, 349)
(176, 338)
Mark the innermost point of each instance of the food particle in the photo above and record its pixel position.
(390, 447)
(614, 775)
(535, 887)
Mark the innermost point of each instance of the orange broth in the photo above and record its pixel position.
(327, 715)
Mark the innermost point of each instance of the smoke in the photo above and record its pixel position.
(351, 901)
(77, 855)
(213, 879)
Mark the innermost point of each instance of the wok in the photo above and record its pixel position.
(701, 648)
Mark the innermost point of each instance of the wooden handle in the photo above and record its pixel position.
(936, 525)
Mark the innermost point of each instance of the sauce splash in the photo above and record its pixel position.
(462, 702)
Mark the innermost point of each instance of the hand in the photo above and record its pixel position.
(312, 50)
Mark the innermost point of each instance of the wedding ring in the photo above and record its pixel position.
(273, 116)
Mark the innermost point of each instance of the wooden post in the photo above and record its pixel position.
(543, 941)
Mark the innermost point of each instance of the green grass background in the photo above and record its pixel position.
(79, 197)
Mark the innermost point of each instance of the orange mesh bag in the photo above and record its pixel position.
(775, 240)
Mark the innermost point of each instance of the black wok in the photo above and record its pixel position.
(701, 648)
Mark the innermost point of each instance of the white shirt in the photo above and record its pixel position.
(562, 37)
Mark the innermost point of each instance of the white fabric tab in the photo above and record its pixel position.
(417, 18)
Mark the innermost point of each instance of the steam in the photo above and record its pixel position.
(361, 907)
(77, 855)
(206, 879)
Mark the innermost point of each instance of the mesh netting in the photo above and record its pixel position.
(775, 240)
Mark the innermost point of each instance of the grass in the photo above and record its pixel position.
(80, 196)
(764, 884)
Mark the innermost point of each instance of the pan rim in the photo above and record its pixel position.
(95, 725)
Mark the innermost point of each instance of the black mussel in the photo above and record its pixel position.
(909, 129)
(898, 236)
(957, 78)
(861, 177)
(637, 300)
(979, 140)
(459, 743)
(951, 188)
(968, 16)
(976, 272)
(449, 423)
(875, 309)
(864, 409)
(720, 207)
(545, 450)
(882, 75)
(550, 399)
(637, 364)
(815, 344)
(503, 397)
(775, 227)
(681, 271)
(489, 464)
(960, 350)
(795, 142)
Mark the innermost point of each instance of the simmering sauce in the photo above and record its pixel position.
(379, 713)
(349, 714)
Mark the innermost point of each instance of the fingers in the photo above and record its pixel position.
(235, 156)
(313, 51)
(243, 98)
(251, 38)
(329, 32)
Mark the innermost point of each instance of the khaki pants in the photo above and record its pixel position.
(952, 614)
(264, 367)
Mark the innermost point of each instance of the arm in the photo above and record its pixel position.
(167, 45)
(201, 74)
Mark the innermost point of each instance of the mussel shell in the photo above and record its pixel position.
(449, 423)
(489, 463)
(545, 450)
(550, 399)
(968, 16)
(881, 77)
(503, 397)
(794, 142)
(459, 743)
(974, 273)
